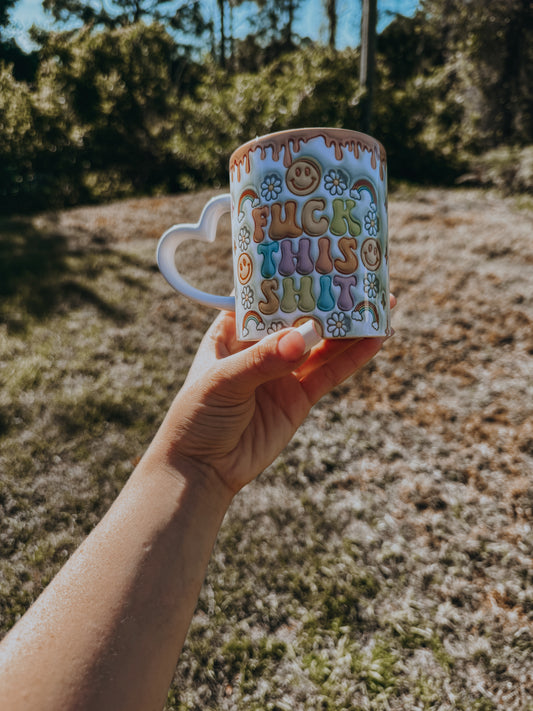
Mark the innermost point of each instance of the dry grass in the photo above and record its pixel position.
(385, 560)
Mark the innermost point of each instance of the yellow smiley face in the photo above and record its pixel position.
(371, 254)
(303, 177)
(245, 268)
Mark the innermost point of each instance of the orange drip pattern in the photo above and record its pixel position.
(340, 139)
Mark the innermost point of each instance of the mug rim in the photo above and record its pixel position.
(357, 139)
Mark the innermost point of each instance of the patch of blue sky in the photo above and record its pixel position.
(310, 20)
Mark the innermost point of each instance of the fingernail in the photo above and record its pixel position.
(390, 335)
(310, 335)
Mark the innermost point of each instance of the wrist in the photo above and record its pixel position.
(184, 475)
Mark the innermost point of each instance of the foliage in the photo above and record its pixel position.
(5, 6)
(510, 168)
(125, 110)
(121, 96)
(98, 122)
(16, 112)
(186, 18)
(303, 88)
(24, 65)
(37, 154)
(489, 49)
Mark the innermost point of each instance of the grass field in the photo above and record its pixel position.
(385, 560)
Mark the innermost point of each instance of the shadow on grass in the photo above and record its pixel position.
(41, 274)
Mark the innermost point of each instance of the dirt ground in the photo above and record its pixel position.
(421, 466)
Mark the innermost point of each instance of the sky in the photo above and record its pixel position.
(310, 21)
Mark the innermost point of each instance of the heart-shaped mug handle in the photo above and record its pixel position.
(204, 231)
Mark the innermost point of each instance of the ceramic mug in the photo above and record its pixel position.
(309, 229)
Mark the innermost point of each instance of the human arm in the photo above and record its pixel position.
(107, 632)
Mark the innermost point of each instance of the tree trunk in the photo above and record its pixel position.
(368, 58)
(288, 26)
(231, 37)
(512, 75)
(222, 56)
(331, 10)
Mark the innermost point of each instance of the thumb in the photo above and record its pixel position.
(272, 357)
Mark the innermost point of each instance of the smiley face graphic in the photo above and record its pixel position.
(371, 254)
(245, 268)
(303, 177)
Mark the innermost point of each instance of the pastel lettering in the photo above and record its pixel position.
(259, 215)
(324, 263)
(279, 227)
(305, 301)
(325, 302)
(299, 259)
(271, 303)
(266, 250)
(343, 221)
(314, 226)
(347, 247)
(345, 301)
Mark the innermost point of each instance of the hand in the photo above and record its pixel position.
(240, 405)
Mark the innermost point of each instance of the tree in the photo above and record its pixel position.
(289, 7)
(275, 24)
(24, 65)
(411, 46)
(490, 48)
(368, 59)
(331, 12)
(187, 18)
(5, 7)
(222, 46)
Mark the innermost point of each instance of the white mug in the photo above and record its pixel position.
(310, 235)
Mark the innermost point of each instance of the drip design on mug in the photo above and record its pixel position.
(342, 142)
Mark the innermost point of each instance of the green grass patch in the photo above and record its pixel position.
(339, 580)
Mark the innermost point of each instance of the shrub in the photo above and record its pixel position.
(98, 122)
(509, 168)
(310, 87)
(25, 146)
(119, 90)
